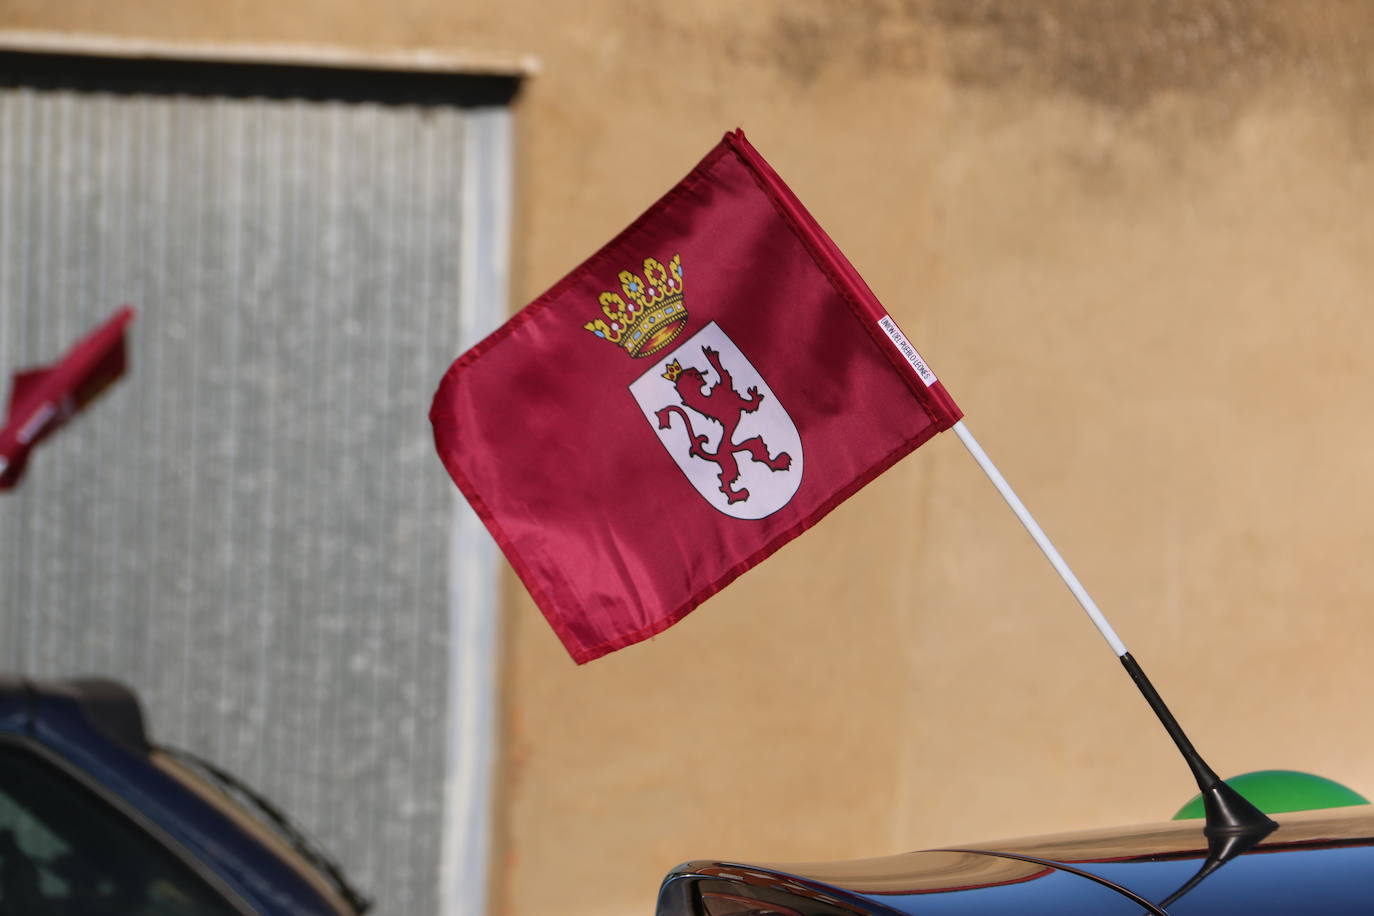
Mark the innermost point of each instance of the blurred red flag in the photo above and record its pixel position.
(42, 399)
(696, 394)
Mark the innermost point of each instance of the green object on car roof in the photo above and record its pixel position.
(1275, 791)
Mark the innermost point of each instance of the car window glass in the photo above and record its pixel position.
(65, 852)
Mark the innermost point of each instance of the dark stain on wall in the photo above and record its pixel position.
(811, 36)
(1115, 53)
(1119, 53)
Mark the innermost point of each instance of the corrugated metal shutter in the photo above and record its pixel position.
(252, 527)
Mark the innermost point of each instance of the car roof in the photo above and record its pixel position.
(1313, 862)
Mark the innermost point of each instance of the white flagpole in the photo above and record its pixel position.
(1229, 814)
(1040, 538)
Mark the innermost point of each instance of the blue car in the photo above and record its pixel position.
(1314, 863)
(95, 819)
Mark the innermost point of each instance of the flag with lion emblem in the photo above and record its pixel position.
(698, 392)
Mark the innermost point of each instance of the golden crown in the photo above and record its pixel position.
(653, 315)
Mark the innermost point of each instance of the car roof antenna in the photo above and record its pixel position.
(1229, 814)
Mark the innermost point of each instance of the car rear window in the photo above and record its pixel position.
(64, 850)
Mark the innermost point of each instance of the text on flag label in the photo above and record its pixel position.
(908, 352)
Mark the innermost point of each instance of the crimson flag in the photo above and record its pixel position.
(690, 398)
(42, 399)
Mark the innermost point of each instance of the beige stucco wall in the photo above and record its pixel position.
(1134, 239)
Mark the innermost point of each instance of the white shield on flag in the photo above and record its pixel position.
(722, 425)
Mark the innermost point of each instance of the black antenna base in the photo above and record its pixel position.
(1229, 814)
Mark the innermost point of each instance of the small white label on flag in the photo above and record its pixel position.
(908, 352)
(35, 423)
